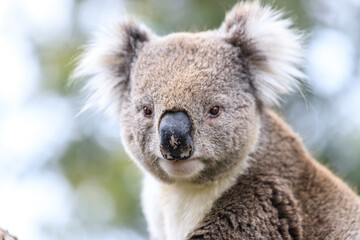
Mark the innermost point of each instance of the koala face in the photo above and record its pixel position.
(201, 76)
(190, 103)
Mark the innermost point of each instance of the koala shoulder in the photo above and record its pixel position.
(284, 194)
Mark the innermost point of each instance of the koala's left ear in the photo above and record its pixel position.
(106, 64)
(269, 47)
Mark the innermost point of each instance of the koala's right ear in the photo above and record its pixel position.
(272, 49)
(106, 64)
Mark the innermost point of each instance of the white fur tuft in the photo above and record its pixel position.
(106, 62)
(275, 51)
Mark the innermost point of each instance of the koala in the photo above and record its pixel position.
(196, 116)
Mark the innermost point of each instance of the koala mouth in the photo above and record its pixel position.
(182, 168)
(176, 145)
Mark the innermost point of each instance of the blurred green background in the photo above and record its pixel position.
(67, 177)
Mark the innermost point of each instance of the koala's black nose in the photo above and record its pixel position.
(175, 138)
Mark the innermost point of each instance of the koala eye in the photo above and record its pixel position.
(214, 111)
(147, 111)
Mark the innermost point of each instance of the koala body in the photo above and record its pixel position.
(195, 116)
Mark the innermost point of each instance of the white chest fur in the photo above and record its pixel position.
(183, 207)
(172, 211)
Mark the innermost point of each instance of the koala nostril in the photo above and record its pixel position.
(182, 154)
(185, 152)
(166, 153)
(175, 138)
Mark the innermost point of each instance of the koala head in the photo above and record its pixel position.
(189, 104)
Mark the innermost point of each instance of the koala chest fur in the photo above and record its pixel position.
(180, 208)
(175, 210)
(195, 116)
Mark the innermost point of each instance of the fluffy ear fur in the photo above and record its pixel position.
(106, 63)
(268, 46)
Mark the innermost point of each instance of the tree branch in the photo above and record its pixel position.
(4, 235)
